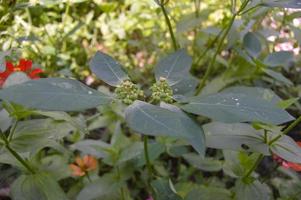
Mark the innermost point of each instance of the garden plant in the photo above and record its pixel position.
(150, 100)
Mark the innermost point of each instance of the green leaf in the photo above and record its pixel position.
(185, 86)
(148, 119)
(15, 79)
(173, 67)
(39, 186)
(251, 191)
(33, 135)
(164, 190)
(107, 69)
(279, 59)
(238, 137)
(96, 148)
(278, 77)
(5, 120)
(105, 187)
(287, 149)
(252, 44)
(239, 104)
(283, 3)
(62, 116)
(209, 193)
(57, 94)
(205, 164)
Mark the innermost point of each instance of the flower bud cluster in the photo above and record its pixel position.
(128, 92)
(161, 91)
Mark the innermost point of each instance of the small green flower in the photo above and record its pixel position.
(161, 91)
(128, 92)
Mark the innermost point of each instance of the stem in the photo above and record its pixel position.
(121, 189)
(219, 47)
(287, 130)
(261, 156)
(15, 154)
(146, 155)
(167, 20)
(253, 168)
(12, 130)
(208, 48)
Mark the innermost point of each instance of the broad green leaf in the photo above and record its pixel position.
(105, 187)
(209, 193)
(239, 104)
(185, 86)
(283, 3)
(148, 119)
(251, 191)
(38, 186)
(135, 152)
(107, 69)
(97, 148)
(278, 77)
(174, 67)
(287, 149)
(56, 165)
(252, 44)
(279, 59)
(164, 190)
(15, 79)
(205, 164)
(33, 135)
(238, 137)
(62, 116)
(58, 94)
(5, 120)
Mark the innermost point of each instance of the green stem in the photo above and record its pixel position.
(146, 155)
(261, 156)
(167, 20)
(287, 130)
(209, 47)
(253, 168)
(15, 154)
(219, 47)
(121, 189)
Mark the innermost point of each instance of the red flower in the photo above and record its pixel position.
(24, 66)
(83, 165)
(287, 164)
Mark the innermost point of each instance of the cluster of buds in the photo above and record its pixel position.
(161, 91)
(128, 92)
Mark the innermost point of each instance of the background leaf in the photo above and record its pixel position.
(252, 44)
(287, 149)
(39, 186)
(173, 67)
(235, 137)
(279, 59)
(283, 3)
(107, 69)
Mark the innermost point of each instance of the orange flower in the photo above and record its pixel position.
(83, 165)
(24, 66)
(286, 164)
